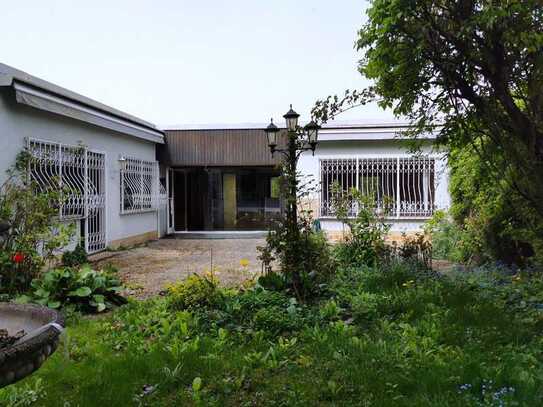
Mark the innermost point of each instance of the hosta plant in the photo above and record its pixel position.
(86, 289)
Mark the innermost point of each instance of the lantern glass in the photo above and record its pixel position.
(291, 117)
(272, 138)
(312, 136)
(312, 130)
(292, 123)
(271, 134)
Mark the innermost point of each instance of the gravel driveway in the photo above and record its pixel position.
(147, 269)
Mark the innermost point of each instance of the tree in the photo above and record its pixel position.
(472, 71)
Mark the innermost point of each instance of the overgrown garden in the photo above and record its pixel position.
(360, 322)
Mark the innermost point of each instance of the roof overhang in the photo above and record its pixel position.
(369, 133)
(31, 96)
(356, 130)
(43, 95)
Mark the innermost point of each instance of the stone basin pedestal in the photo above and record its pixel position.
(42, 327)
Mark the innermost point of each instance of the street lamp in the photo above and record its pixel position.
(271, 133)
(291, 117)
(312, 130)
(298, 140)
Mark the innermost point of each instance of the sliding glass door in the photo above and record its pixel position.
(226, 198)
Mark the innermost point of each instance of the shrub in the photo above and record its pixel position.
(416, 249)
(449, 241)
(76, 257)
(313, 265)
(496, 221)
(196, 291)
(274, 320)
(272, 281)
(365, 243)
(85, 289)
(249, 302)
(35, 233)
(364, 306)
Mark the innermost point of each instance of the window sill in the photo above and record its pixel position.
(137, 211)
(387, 218)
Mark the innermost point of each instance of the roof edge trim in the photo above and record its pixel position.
(39, 99)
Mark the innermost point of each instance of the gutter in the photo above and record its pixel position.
(43, 100)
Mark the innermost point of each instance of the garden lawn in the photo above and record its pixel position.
(377, 336)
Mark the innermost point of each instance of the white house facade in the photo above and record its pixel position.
(230, 167)
(125, 181)
(375, 159)
(105, 159)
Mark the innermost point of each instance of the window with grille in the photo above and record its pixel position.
(139, 185)
(399, 186)
(78, 175)
(62, 168)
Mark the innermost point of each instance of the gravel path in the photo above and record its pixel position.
(148, 269)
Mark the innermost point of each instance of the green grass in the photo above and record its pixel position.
(387, 336)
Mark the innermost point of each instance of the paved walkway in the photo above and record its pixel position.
(147, 270)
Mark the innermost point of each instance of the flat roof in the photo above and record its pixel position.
(335, 124)
(9, 75)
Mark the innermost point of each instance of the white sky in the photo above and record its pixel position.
(174, 62)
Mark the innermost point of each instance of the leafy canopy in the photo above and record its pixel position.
(476, 67)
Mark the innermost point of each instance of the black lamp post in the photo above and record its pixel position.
(298, 140)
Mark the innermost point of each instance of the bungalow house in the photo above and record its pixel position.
(129, 181)
(223, 178)
(104, 157)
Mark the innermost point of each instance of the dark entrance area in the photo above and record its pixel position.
(225, 198)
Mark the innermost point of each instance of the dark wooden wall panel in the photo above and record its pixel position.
(228, 147)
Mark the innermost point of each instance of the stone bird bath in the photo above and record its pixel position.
(42, 327)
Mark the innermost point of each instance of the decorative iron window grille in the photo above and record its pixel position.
(78, 174)
(399, 186)
(139, 186)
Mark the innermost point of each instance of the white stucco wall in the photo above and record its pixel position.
(19, 121)
(309, 167)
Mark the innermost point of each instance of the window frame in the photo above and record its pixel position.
(138, 180)
(400, 208)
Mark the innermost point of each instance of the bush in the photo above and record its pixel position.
(364, 306)
(416, 249)
(272, 281)
(195, 292)
(35, 234)
(365, 244)
(85, 289)
(449, 241)
(249, 302)
(313, 265)
(495, 221)
(76, 257)
(274, 320)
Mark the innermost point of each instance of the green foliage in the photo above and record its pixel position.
(23, 396)
(84, 289)
(448, 239)
(307, 258)
(365, 242)
(387, 335)
(272, 281)
(35, 234)
(76, 257)
(416, 248)
(196, 291)
(473, 67)
(274, 320)
(470, 72)
(496, 223)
